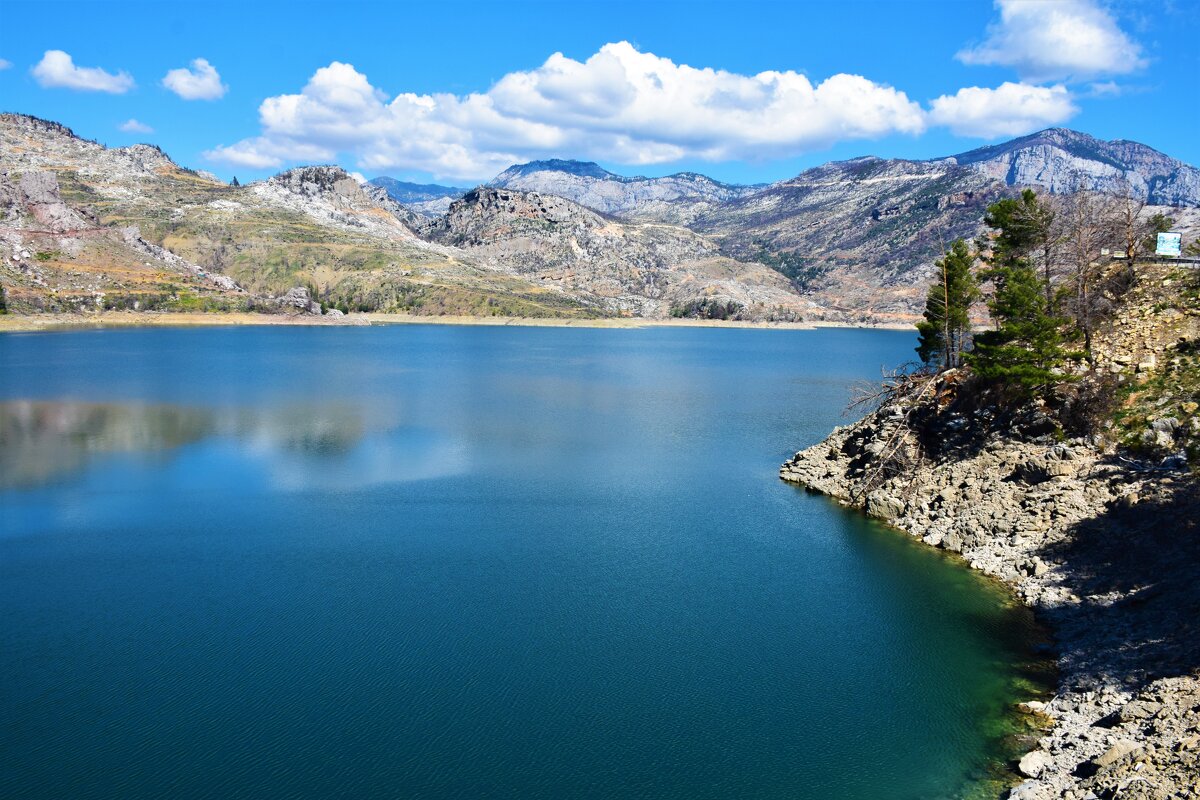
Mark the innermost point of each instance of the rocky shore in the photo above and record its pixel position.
(1103, 548)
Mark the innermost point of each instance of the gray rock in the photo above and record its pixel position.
(1139, 710)
(1033, 764)
(1165, 425)
(1121, 750)
(884, 506)
(1028, 790)
(299, 298)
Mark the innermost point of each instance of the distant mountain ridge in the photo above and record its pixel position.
(1060, 160)
(84, 227)
(405, 192)
(850, 240)
(424, 199)
(676, 199)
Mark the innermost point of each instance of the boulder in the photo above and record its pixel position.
(884, 506)
(1139, 710)
(1033, 764)
(1121, 750)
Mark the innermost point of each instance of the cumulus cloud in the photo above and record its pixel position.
(1052, 40)
(133, 126)
(1010, 109)
(620, 105)
(200, 82)
(5, 64)
(57, 69)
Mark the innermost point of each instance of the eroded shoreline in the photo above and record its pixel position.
(1099, 552)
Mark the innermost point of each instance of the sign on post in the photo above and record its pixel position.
(1169, 244)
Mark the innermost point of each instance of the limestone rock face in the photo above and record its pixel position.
(38, 192)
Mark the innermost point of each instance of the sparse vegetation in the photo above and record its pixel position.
(708, 308)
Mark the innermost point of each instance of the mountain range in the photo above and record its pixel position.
(83, 226)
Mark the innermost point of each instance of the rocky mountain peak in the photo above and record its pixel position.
(1062, 160)
(676, 199)
(583, 169)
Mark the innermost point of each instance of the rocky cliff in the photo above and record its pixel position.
(1094, 525)
(56, 257)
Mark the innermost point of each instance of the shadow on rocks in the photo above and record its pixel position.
(1136, 570)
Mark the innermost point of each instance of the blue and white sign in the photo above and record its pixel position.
(1169, 244)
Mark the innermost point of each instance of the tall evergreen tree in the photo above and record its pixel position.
(947, 324)
(1025, 348)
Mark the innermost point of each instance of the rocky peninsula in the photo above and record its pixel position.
(1097, 533)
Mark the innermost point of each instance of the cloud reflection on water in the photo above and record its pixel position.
(296, 447)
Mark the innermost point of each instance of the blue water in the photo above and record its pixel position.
(434, 561)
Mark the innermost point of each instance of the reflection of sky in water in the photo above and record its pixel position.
(336, 447)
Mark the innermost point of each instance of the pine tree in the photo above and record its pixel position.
(947, 324)
(1024, 350)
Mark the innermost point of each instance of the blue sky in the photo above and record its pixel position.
(455, 91)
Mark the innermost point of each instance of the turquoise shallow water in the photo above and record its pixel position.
(434, 561)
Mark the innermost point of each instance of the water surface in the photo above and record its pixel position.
(435, 561)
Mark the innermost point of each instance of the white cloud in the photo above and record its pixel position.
(1105, 89)
(620, 105)
(57, 69)
(201, 82)
(5, 64)
(1052, 40)
(1010, 109)
(133, 126)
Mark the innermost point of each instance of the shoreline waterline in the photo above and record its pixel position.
(25, 323)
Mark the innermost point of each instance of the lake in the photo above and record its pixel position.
(438, 561)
